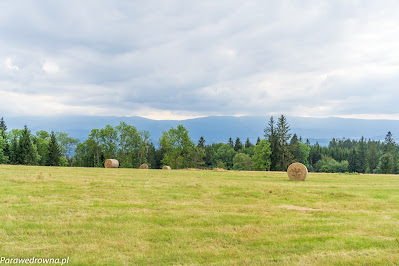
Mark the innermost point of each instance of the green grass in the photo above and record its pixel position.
(131, 216)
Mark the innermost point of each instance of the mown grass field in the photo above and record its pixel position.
(152, 217)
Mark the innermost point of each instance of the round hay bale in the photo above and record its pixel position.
(219, 170)
(111, 163)
(166, 167)
(144, 166)
(297, 172)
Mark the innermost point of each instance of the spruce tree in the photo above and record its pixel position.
(231, 143)
(14, 151)
(372, 157)
(151, 156)
(272, 137)
(26, 150)
(201, 142)
(352, 160)
(238, 144)
(257, 141)
(386, 164)
(361, 156)
(54, 153)
(283, 133)
(294, 148)
(3, 129)
(390, 148)
(248, 144)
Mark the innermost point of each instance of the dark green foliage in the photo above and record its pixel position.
(132, 147)
(372, 157)
(329, 165)
(272, 137)
(151, 157)
(179, 148)
(54, 153)
(361, 156)
(283, 133)
(225, 154)
(238, 145)
(248, 144)
(14, 151)
(352, 160)
(294, 148)
(5, 149)
(3, 128)
(242, 161)
(42, 140)
(201, 142)
(231, 143)
(386, 164)
(26, 153)
(3, 157)
(210, 160)
(261, 158)
(315, 154)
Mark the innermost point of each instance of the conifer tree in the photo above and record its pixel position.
(361, 156)
(352, 160)
(54, 153)
(14, 151)
(248, 144)
(231, 143)
(238, 144)
(389, 154)
(3, 129)
(283, 133)
(372, 157)
(257, 141)
(272, 137)
(26, 151)
(201, 142)
(151, 157)
(294, 148)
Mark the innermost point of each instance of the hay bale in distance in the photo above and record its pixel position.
(166, 167)
(111, 163)
(144, 166)
(297, 172)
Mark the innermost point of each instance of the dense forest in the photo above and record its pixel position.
(275, 151)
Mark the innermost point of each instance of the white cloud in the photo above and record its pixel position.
(10, 64)
(174, 59)
(50, 67)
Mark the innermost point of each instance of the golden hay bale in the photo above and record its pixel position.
(219, 170)
(111, 163)
(166, 167)
(297, 172)
(144, 166)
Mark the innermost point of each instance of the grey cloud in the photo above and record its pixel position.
(204, 57)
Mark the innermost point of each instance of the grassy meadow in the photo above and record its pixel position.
(151, 217)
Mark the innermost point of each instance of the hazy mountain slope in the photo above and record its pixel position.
(217, 128)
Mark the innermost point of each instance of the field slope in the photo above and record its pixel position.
(130, 216)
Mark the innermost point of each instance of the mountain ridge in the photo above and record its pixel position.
(216, 128)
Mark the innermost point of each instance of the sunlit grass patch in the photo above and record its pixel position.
(131, 216)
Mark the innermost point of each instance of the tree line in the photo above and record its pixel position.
(275, 151)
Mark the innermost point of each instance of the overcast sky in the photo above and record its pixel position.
(183, 59)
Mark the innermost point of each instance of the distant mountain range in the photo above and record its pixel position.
(217, 128)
